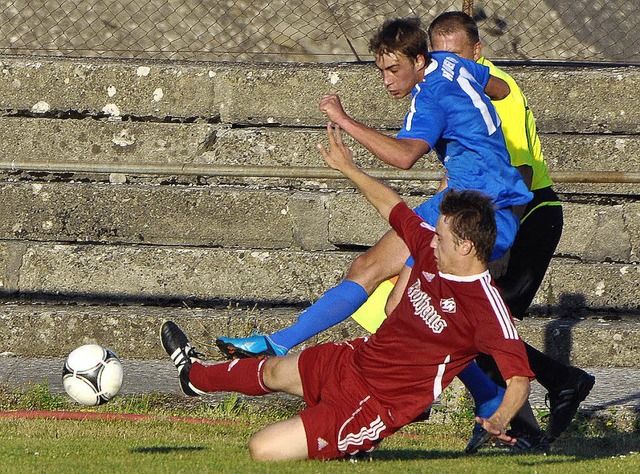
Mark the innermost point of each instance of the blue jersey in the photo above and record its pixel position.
(450, 111)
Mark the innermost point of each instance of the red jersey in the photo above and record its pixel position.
(440, 325)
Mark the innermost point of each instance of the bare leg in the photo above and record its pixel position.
(281, 374)
(381, 262)
(285, 440)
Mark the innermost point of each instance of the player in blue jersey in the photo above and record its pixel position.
(450, 113)
(450, 110)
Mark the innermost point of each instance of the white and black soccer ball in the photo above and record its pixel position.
(92, 374)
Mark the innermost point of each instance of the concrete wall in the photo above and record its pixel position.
(115, 223)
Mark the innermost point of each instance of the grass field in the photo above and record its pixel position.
(158, 445)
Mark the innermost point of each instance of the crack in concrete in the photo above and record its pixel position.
(13, 265)
(86, 114)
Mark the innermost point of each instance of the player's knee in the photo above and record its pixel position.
(265, 445)
(367, 272)
(271, 371)
(258, 449)
(359, 265)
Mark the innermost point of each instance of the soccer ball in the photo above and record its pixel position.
(92, 374)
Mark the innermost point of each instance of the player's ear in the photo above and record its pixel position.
(477, 51)
(419, 62)
(465, 247)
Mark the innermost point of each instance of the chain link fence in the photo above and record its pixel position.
(605, 31)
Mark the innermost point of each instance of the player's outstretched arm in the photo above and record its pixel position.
(517, 393)
(399, 152)
(340, 157)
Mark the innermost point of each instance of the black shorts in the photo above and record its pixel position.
(535, 244)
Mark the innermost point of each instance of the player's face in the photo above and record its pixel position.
(459, 43)
(445, 246)
(399, 73)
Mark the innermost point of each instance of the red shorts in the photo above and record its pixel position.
(342, 417)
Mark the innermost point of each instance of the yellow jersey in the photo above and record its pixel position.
(519, 129)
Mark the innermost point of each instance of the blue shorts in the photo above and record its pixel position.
(507, 225)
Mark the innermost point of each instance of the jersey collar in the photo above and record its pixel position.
(464, 279)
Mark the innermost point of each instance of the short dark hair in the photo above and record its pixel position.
(450, 22)
(471, 216)
(400, 35)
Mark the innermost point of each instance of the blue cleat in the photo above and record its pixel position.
(256, 345)
(479, 436)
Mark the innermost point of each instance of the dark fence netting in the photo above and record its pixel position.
(309, 30)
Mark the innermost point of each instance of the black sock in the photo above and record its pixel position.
(525, 421)
(550, 373)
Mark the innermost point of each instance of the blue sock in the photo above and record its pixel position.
(334, 306)
(486, 394)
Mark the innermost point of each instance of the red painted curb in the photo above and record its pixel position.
(87, 415)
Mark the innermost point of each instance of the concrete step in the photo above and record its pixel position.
(279, 239)
(276, 241)
(46, 330)
(115, 274)
(90, 141)
(287, 94)
(263, 218)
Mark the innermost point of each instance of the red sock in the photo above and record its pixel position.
(238, 375)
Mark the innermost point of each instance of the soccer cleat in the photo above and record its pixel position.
(525, 442)
(530, 442)
(177, 345)
(479, 437)
(564, 403)
(256, 345)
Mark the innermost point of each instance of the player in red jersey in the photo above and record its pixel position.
(361, 391)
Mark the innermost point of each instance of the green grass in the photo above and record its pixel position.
(159, 445)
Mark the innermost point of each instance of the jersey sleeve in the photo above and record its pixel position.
(480, 72)
(415, 232)
(426, 119)
(497, 336)
(512, 111)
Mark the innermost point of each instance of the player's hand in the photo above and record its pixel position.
(339, 157)
(497, 430)
(331, 106)
(498, 268)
